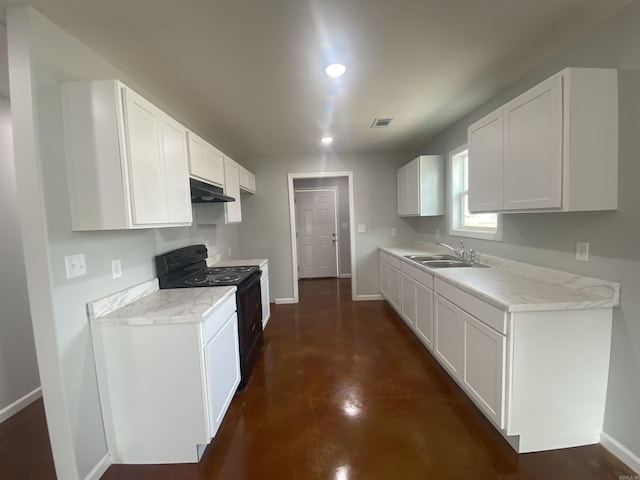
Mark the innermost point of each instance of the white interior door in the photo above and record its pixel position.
(317, 233)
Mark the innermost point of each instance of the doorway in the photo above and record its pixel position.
(322, 235)
(317, 232)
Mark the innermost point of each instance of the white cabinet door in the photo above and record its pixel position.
(533, 148)
(247, 180)
(408, 299)
(146, 172)
(486, 152)
(232, 210)
(206, 162)
(393, 287)
(449, 337)
(176, 169)
(424, 314)
(222, 371)
(484, 368)
(384, 272)
(408, 195)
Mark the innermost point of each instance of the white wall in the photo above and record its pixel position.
(265, 231)
(41, 55)
(18, 365)
(549, 239)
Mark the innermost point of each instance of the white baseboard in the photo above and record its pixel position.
(344, 275)
(364, 298)
(283, 301)
(19, 404)
(100, 468)
(623, 453)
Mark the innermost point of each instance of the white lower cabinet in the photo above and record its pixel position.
(408, 299)
(164, 388)
(539, 376)
(484, 367)
(394, 287)
(424, 314)
(222, 372)
(449, 345)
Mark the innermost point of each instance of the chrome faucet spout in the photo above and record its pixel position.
(459, 253)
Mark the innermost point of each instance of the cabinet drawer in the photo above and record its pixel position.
(218, 317)
(490, 315)
(395, 261)
(418, 275)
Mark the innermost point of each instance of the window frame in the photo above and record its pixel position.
(456, 212)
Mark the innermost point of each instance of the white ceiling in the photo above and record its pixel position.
(248, 74)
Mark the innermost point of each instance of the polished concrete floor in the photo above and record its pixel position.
(343, 391)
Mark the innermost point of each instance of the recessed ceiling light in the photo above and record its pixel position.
(327, 140)
(335, 70)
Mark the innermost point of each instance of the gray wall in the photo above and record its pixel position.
(549, 239)
(41, 55)
(265, 231)
(18, 365)
(342, 183)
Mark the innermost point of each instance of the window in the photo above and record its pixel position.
(486, 226)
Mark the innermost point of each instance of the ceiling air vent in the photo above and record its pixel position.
(381, 122)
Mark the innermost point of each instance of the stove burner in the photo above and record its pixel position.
(223, 278)
(241, 269)
(196, 280)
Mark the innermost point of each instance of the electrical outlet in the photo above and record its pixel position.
(362, 228)
(116, 268)
(582, 251)
(229, 251)
(76, 265)
(393, 232)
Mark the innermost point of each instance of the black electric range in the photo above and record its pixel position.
(187, 268)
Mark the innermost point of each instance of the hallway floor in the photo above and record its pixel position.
(343, 391)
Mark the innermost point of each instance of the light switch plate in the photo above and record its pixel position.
(116, 268)
(345, 225)
(76, 265)
(582, 251)
(393, 232)
(362, 228)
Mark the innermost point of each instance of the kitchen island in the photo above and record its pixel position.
(530, 346)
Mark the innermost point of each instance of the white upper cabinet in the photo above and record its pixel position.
(247, 180)
(206, 162)
(127, 164)
(553, 148)
(421, 187)
(232, 210)
(485, 171)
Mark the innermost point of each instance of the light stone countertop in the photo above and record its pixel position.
(145, 304)
(237, 263)
(515, 286)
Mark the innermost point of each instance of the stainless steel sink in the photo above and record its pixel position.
(420, 259)
(443, 261)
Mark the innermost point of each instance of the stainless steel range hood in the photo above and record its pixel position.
(205, 193)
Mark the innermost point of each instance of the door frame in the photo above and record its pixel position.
(292, 222)
(336, 196)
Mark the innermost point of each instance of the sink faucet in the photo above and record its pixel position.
(459, 253)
